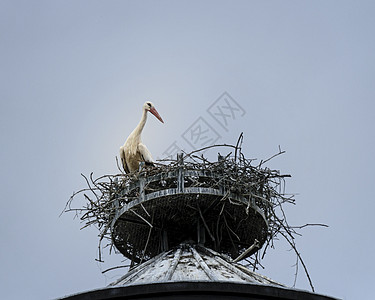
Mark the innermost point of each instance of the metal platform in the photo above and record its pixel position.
(185, 205)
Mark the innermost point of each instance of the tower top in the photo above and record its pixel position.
(228, 205)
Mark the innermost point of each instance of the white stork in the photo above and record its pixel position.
(133, 151)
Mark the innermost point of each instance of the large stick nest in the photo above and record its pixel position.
(234, 174)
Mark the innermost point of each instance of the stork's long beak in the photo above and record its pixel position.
(156, 114)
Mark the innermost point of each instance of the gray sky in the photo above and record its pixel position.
(74, 75)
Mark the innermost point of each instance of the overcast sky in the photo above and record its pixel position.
(74, 75)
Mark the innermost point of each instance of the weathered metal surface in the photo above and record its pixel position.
(191, 263)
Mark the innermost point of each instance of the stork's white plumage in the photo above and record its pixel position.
(133, 151)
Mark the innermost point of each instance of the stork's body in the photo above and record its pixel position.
(134, 151)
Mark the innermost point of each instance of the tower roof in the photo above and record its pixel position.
(194, 272)
(191, 263)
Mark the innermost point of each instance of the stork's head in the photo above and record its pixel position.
(148, 106)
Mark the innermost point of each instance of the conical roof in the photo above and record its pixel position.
(191, 263)
(194, 272)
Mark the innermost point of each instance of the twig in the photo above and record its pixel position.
(114, 268)
(205, 225)
(308, 225)
(277, 154)
(240, 139)
(247, 251)
(138, 215)
(144, 250)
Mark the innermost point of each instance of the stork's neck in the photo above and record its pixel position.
(141, 124)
